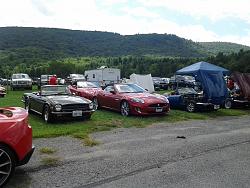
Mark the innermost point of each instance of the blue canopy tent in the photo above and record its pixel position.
(211, 78)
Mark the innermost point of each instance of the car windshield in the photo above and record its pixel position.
(54, 90)
(86, 85)
(20, 76)
(129, 88)
(186, 90)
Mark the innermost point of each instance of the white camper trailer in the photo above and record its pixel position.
(103, 75)
(145, 81)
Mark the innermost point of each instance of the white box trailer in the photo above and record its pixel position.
(103, 75)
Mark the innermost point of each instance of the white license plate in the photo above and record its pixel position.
(77, 113)
(158, 109)
(216, 107)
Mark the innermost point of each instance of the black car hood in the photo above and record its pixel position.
(65, 99)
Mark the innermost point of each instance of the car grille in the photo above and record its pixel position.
(22, 82)
(72, 107)
(158, 105)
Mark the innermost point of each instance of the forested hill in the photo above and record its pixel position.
(47, 43)
(224, 47)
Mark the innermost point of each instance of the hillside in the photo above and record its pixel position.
(48, 43)
(224, 47)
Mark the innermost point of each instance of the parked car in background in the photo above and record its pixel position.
(156, 81)
(73, 78)
(15, 141)
(188, 99)
(21, 80)
(44, 80)
(87, 90)
(2, 91)
(132, 99)
(54, 101)
(181, 81)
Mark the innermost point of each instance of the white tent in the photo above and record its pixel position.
(145, 81)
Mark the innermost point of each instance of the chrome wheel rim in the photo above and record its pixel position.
(190, 107)
(95, 104)
(125, 109)
(46, 115)
(228, 104)
(5, 166)
(27, 106)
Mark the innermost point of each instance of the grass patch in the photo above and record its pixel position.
(47, 150)
(104, 120)
(50, 161)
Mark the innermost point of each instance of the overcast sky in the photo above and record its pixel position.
(198, 20)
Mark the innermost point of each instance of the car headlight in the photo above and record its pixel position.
(58, 107)
(91, 106)
(166, 98)
(137, 100)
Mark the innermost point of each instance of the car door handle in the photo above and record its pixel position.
(117, 99)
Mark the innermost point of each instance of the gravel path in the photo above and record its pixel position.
(182, 154)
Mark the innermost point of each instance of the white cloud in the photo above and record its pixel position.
(211, 9)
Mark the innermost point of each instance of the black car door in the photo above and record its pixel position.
(37, 102)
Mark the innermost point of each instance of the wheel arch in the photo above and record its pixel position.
(12, 149)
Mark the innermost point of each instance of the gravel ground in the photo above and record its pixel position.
(183, 154)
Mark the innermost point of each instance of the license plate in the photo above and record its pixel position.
(216, 107)
(158, 109)
(77, 113)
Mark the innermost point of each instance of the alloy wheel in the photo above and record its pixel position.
(190, 107)
(125, 108)
(5, 166)
(95, 104)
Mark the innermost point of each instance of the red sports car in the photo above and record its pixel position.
(15, 141)
(132, 99)
(87, 90)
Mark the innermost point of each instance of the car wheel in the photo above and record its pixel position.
(87, 116)
(228, 104)
(190, 107)
(125, 110)
(7, 164)
(47, 116)
(95, 103)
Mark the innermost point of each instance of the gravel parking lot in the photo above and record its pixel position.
(202, 153)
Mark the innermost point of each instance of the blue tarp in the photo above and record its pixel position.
(211, 78)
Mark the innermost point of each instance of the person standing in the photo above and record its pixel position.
(53, 80)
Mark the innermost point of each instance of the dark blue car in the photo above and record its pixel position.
(188, 99)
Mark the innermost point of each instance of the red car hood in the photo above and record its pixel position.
(147, 97)
(89, 90)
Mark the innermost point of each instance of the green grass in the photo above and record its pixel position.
(50, 161)
(47, 150)
(104, 120)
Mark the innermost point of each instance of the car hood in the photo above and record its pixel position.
(147, 97)
(59, 99)
(89, 90)
(23, 79)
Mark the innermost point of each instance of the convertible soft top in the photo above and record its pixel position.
(211, 78)
(243, 81)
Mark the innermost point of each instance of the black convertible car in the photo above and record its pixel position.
(55, 101)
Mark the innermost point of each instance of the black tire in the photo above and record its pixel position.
(125, 109)
(95, 103)
(228, 104)
(87, 117)
(7, 164)
(47, 116)
(190, 106)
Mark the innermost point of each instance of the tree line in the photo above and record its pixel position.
(156, 65)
